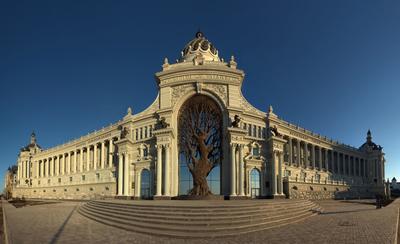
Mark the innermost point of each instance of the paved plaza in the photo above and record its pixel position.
(355, 221)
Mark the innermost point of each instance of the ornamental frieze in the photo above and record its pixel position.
(200, 77)
(179, 91)
(299, 135)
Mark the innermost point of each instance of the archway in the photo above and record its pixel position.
(145, 184)
(200, 146)
(255, 183)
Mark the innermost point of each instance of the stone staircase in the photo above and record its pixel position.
(194, 219)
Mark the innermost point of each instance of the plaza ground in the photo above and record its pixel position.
(355, 221)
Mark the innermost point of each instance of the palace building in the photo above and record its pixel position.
(257, 154)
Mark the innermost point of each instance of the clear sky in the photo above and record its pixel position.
(70, 67)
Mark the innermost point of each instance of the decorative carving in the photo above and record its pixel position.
(236, 121)
(220, 90)
(179, 91)
(195, 77)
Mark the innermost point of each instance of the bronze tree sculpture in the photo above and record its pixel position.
(200, 135)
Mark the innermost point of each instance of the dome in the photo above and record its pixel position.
(199, 47)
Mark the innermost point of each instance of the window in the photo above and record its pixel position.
(137, 134)
(145, 132)
(151, 131)
(145, 152)
(259, 131)
(48, 181)
(59, 180)
(38, 182)
(254, 130)
(141, 133)
(83, 177)
(249, 130)
(70, 179)
(97, 175)
(256, 151)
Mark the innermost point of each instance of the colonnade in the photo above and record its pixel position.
(307, 155)
(95, 156)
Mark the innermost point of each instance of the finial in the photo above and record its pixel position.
(199, 34)
(232, 58)
(166, 60)
(270, 109)
(165, 64)
(129, 111)
(369, 136)
(33, 138)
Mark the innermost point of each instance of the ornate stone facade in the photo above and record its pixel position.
(262, 155)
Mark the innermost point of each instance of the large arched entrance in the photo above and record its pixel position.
(255, 183)
(200, 146)
(145, 184)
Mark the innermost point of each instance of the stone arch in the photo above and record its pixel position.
(192, 178)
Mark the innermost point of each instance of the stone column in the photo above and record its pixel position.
(120, 173)
(320, 158)
(233, 169)
(111, 153)
(159, 170)
(137, 184)
(326, 159)
(63, 164)
(57, 165)
(167, 167)
(81, 160)
(37, 168)
(274, 173)
(290, 151)
(126, 174)
(23, 169)
(298, 153)
(75, 165)
(51, 164)
(280, 178)
(88, 158)
(103, 150)
(359, 167)
(241, 171)
(68, 169)
(95, 156)
(45, 167)
(306, 162)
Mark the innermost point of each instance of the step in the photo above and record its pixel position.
(191, 232)
(211, 210)
(197, 217)
(198, 222)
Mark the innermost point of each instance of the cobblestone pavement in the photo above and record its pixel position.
(341, 222)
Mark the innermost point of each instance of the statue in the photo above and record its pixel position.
(161, 122)
(236, 121)
(274, 131)
(124, 131)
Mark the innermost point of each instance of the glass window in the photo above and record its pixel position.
(256, 151)
(137, 134)
(255, 183)
(83, 177)
(145, 184)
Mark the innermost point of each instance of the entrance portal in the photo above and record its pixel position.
(145, 189)
(255, 183)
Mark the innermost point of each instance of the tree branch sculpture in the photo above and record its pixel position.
(200, 125)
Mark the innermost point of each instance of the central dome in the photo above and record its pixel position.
(199, 47)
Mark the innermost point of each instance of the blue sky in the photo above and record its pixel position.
(70, 67)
